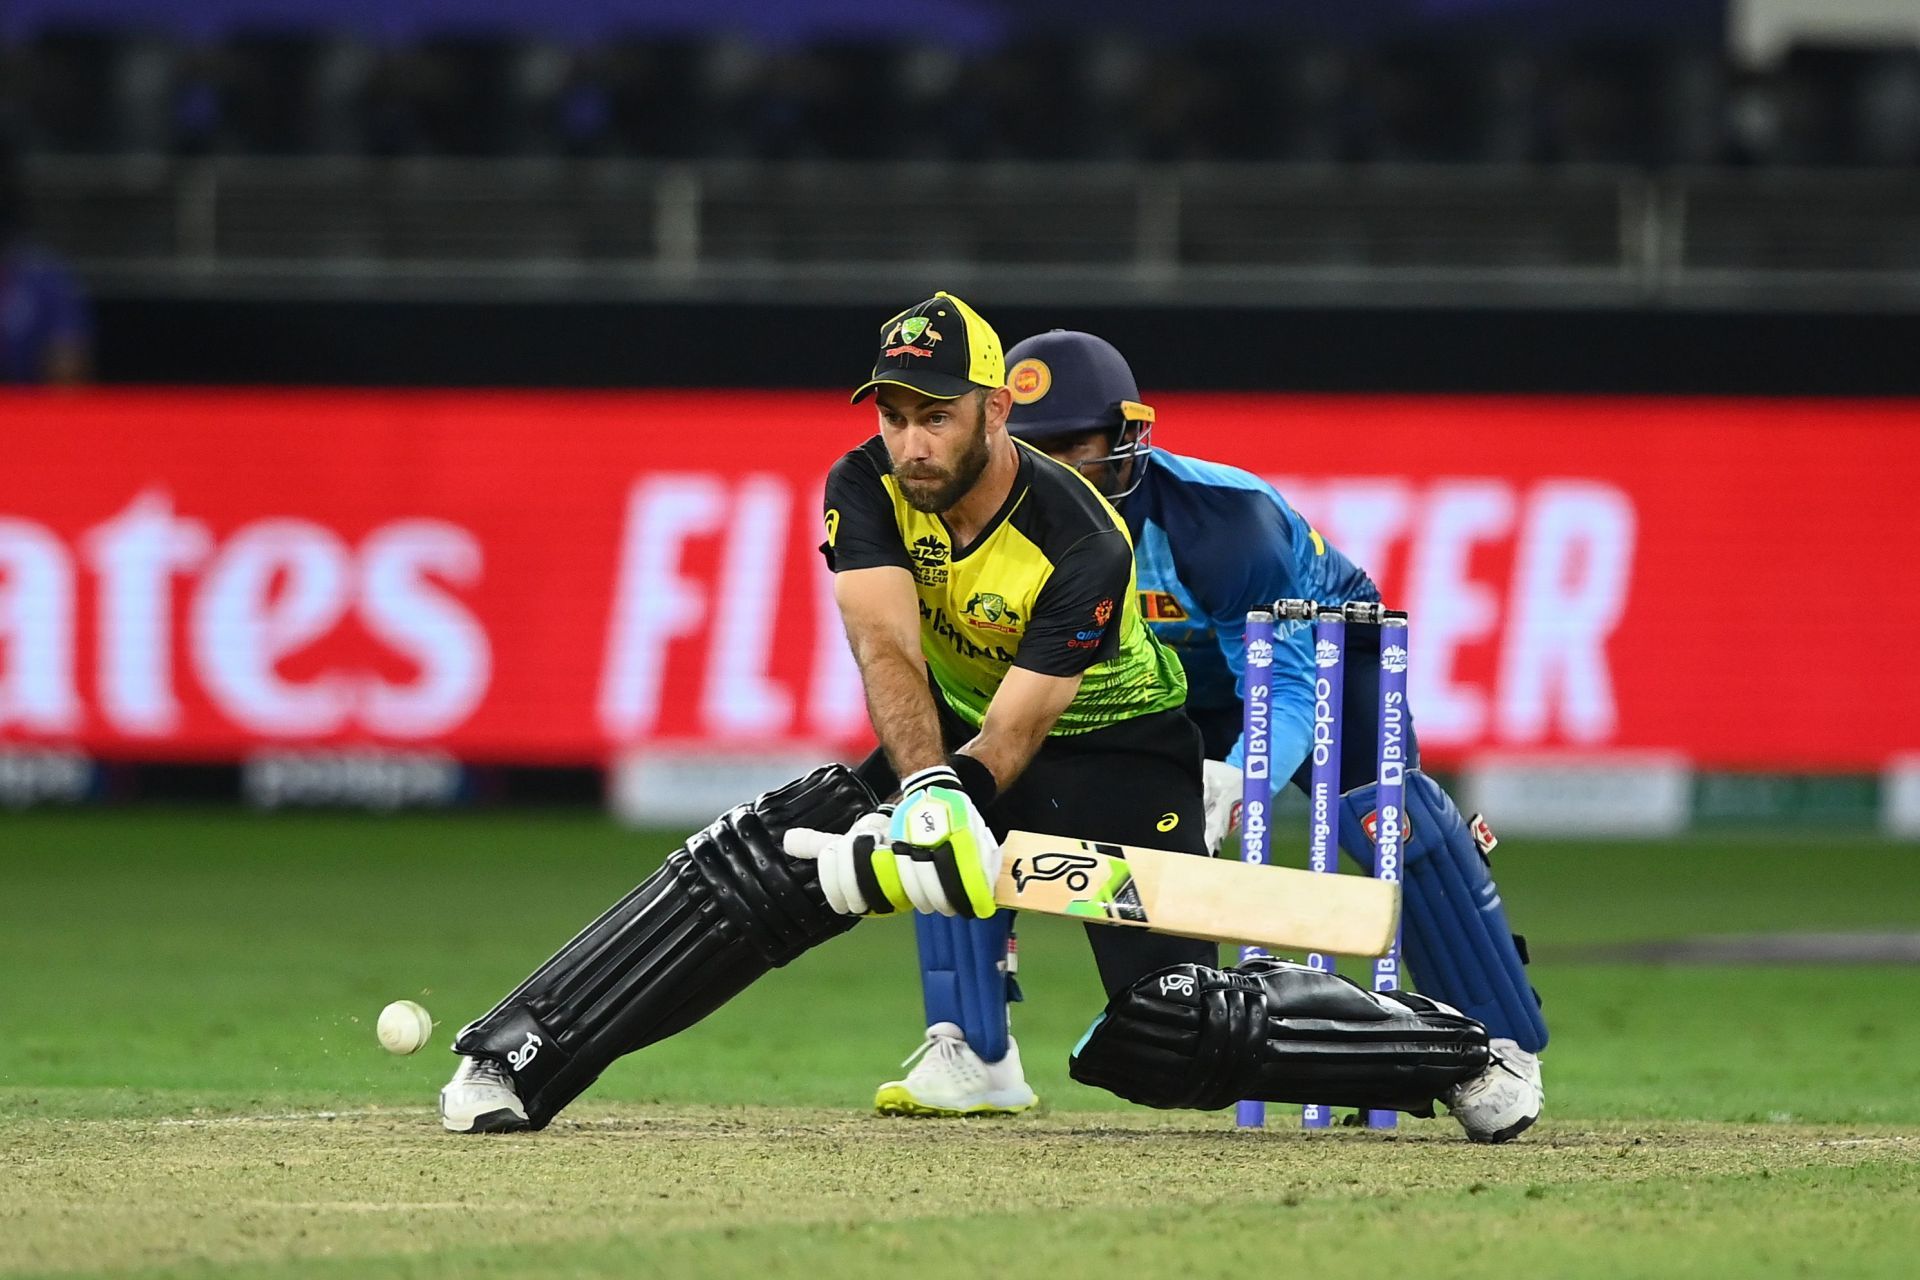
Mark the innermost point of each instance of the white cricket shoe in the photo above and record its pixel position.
(1502, 1101)
(950, 1079)
(481, 1099)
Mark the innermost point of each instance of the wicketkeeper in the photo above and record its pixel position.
(1212, 542)
(989, 599)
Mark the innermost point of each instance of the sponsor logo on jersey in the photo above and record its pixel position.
(937, 621)
(833, 524)
(1102, 612)
(1030, 379)
(1161, 606)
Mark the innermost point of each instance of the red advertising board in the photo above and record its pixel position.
(547, 577)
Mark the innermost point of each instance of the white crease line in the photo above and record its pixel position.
(372, 1113)
(380, 1206)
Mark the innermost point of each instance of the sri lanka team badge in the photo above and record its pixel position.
(1029, 380)
(1161, 606)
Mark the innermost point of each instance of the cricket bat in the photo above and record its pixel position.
(1283, 908)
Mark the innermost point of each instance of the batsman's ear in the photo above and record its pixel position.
(996, 405)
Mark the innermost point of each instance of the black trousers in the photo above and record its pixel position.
(1136, 782)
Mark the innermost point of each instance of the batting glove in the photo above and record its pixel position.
(858, 872)
(1223, 786)
(946, 856)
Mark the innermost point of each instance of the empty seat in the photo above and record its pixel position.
(99, 92)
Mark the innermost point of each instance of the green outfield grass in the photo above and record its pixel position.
(189, 1082)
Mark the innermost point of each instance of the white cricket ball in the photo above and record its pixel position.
(404, 1027)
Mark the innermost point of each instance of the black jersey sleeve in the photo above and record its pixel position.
(861, 530)
(1076, 617)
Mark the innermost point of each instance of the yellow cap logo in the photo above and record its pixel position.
(1030, 380)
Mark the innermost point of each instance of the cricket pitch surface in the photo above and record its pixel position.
(190, 1085)
(789, 1192)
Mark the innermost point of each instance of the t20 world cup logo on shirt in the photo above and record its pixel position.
(929, 556)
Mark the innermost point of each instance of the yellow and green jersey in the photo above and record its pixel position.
(1047, 586)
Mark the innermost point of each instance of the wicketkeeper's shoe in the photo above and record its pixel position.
(480, 1099)
(950, 1079)
(1502, 1101)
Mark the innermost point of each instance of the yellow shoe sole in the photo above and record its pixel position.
(895, 1101)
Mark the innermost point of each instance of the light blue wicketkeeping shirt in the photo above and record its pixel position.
(1210, 543)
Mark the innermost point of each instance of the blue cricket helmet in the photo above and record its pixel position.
(1065, 383)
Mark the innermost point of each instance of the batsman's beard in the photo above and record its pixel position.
(928, 488)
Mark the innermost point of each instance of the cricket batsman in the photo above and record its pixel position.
(1212, 542)
(989, 599)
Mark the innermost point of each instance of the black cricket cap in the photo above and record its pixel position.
(939, 348)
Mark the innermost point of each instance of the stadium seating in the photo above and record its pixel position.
(1045, 97)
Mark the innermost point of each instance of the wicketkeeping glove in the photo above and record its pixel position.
(1222, 784)
(947, 857)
